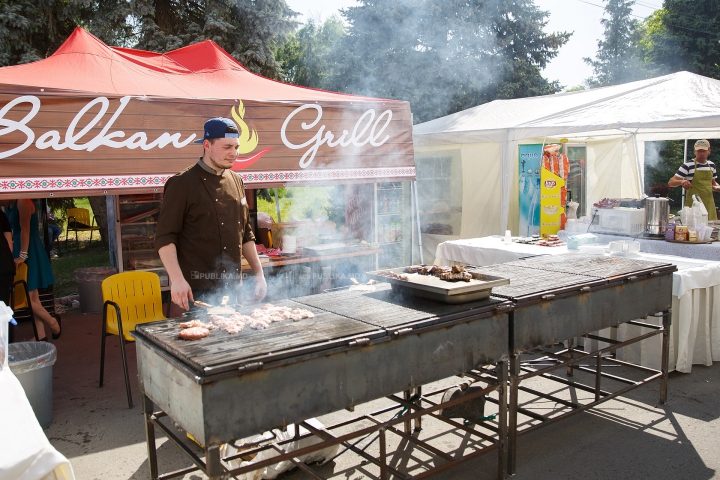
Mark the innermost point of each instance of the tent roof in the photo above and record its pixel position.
(672, 106)
(83, 63)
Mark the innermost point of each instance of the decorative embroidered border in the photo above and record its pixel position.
(318, 175)
(108, 182)
(111, 182)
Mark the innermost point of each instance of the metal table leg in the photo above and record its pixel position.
(512, 421)
(502, 376)
(150, 437)
(667, 320)
(570, 356)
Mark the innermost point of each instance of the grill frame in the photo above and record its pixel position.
(280, 390)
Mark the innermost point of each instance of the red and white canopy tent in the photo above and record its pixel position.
(93, 119)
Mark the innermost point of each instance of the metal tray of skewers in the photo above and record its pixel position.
(443, 284)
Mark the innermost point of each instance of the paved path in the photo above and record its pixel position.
(626, 438)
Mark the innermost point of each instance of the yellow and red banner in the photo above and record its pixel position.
(551, 208)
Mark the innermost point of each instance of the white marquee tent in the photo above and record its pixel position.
(613, 122)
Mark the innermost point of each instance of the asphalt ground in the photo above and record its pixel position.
(627, 437)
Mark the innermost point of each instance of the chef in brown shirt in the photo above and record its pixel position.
(203, 228)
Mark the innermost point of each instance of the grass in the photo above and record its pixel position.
(302, 203)
(71, 258)
(64, 267)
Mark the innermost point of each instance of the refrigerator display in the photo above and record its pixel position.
(136, 217)
(393, 224)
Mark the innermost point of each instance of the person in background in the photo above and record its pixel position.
(54, 232)
(698, 177)
(7, 263)
(28, 248)
(204, 224)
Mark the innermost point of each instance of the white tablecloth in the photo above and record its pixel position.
(695, 331)
(25, 452)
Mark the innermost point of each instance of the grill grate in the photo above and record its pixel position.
(592, 265)
(385, 308)
(530, 281)
(221, 348)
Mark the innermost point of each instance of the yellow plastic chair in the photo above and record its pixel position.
(130, 299)
(20, 298)
(77, 217)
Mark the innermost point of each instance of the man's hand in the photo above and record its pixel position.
(260, 287)
(686, 184)
(181, 293)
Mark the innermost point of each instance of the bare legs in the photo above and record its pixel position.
(41, 314)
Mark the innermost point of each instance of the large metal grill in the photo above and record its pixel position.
(531, 281)
(387, 309)
(221, 351)
(592, 265)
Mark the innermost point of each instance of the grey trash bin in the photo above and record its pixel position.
(31, 363)
(89, 287)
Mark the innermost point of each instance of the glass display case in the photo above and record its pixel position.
(136, 219)
(393, 224)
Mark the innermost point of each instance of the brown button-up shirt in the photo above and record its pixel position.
(207, 217)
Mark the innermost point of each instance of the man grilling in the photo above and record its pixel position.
(204, 228)
(698, 177)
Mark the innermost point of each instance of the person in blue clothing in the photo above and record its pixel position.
(28, 248)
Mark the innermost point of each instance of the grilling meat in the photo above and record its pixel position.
(449, 274)
(260, 319)
(194, 333)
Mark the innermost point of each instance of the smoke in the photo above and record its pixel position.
(652, 153)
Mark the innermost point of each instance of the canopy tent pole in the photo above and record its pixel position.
(640, 163)
(417, 219)
(277, 205)
(683, 190)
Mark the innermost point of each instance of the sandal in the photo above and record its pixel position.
(55, 336)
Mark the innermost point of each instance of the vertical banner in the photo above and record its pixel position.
(551, 208)
(529, 189)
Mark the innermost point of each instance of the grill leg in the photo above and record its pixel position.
(418, 420)
(383, 456)
(150, 437)
(408, 394)
(570, 356)
(598, 376)
(212, 462)
(512, 420)
(667, 321)
(502, 368)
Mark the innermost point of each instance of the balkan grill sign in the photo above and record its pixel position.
(55, 142)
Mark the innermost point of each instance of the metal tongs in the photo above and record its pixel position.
(223, 309)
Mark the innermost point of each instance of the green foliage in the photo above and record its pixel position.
(618, 59)
(684, 36)
(306, 57)
(443, 56)
(249, 29)
(33, 29)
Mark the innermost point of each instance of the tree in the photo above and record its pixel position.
(445, 55)
(250, 30)
(618, 59)
(307, 56)
(683, 35)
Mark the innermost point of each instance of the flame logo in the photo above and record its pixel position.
(248, 138)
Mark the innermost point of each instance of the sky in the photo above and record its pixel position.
(579, 16)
